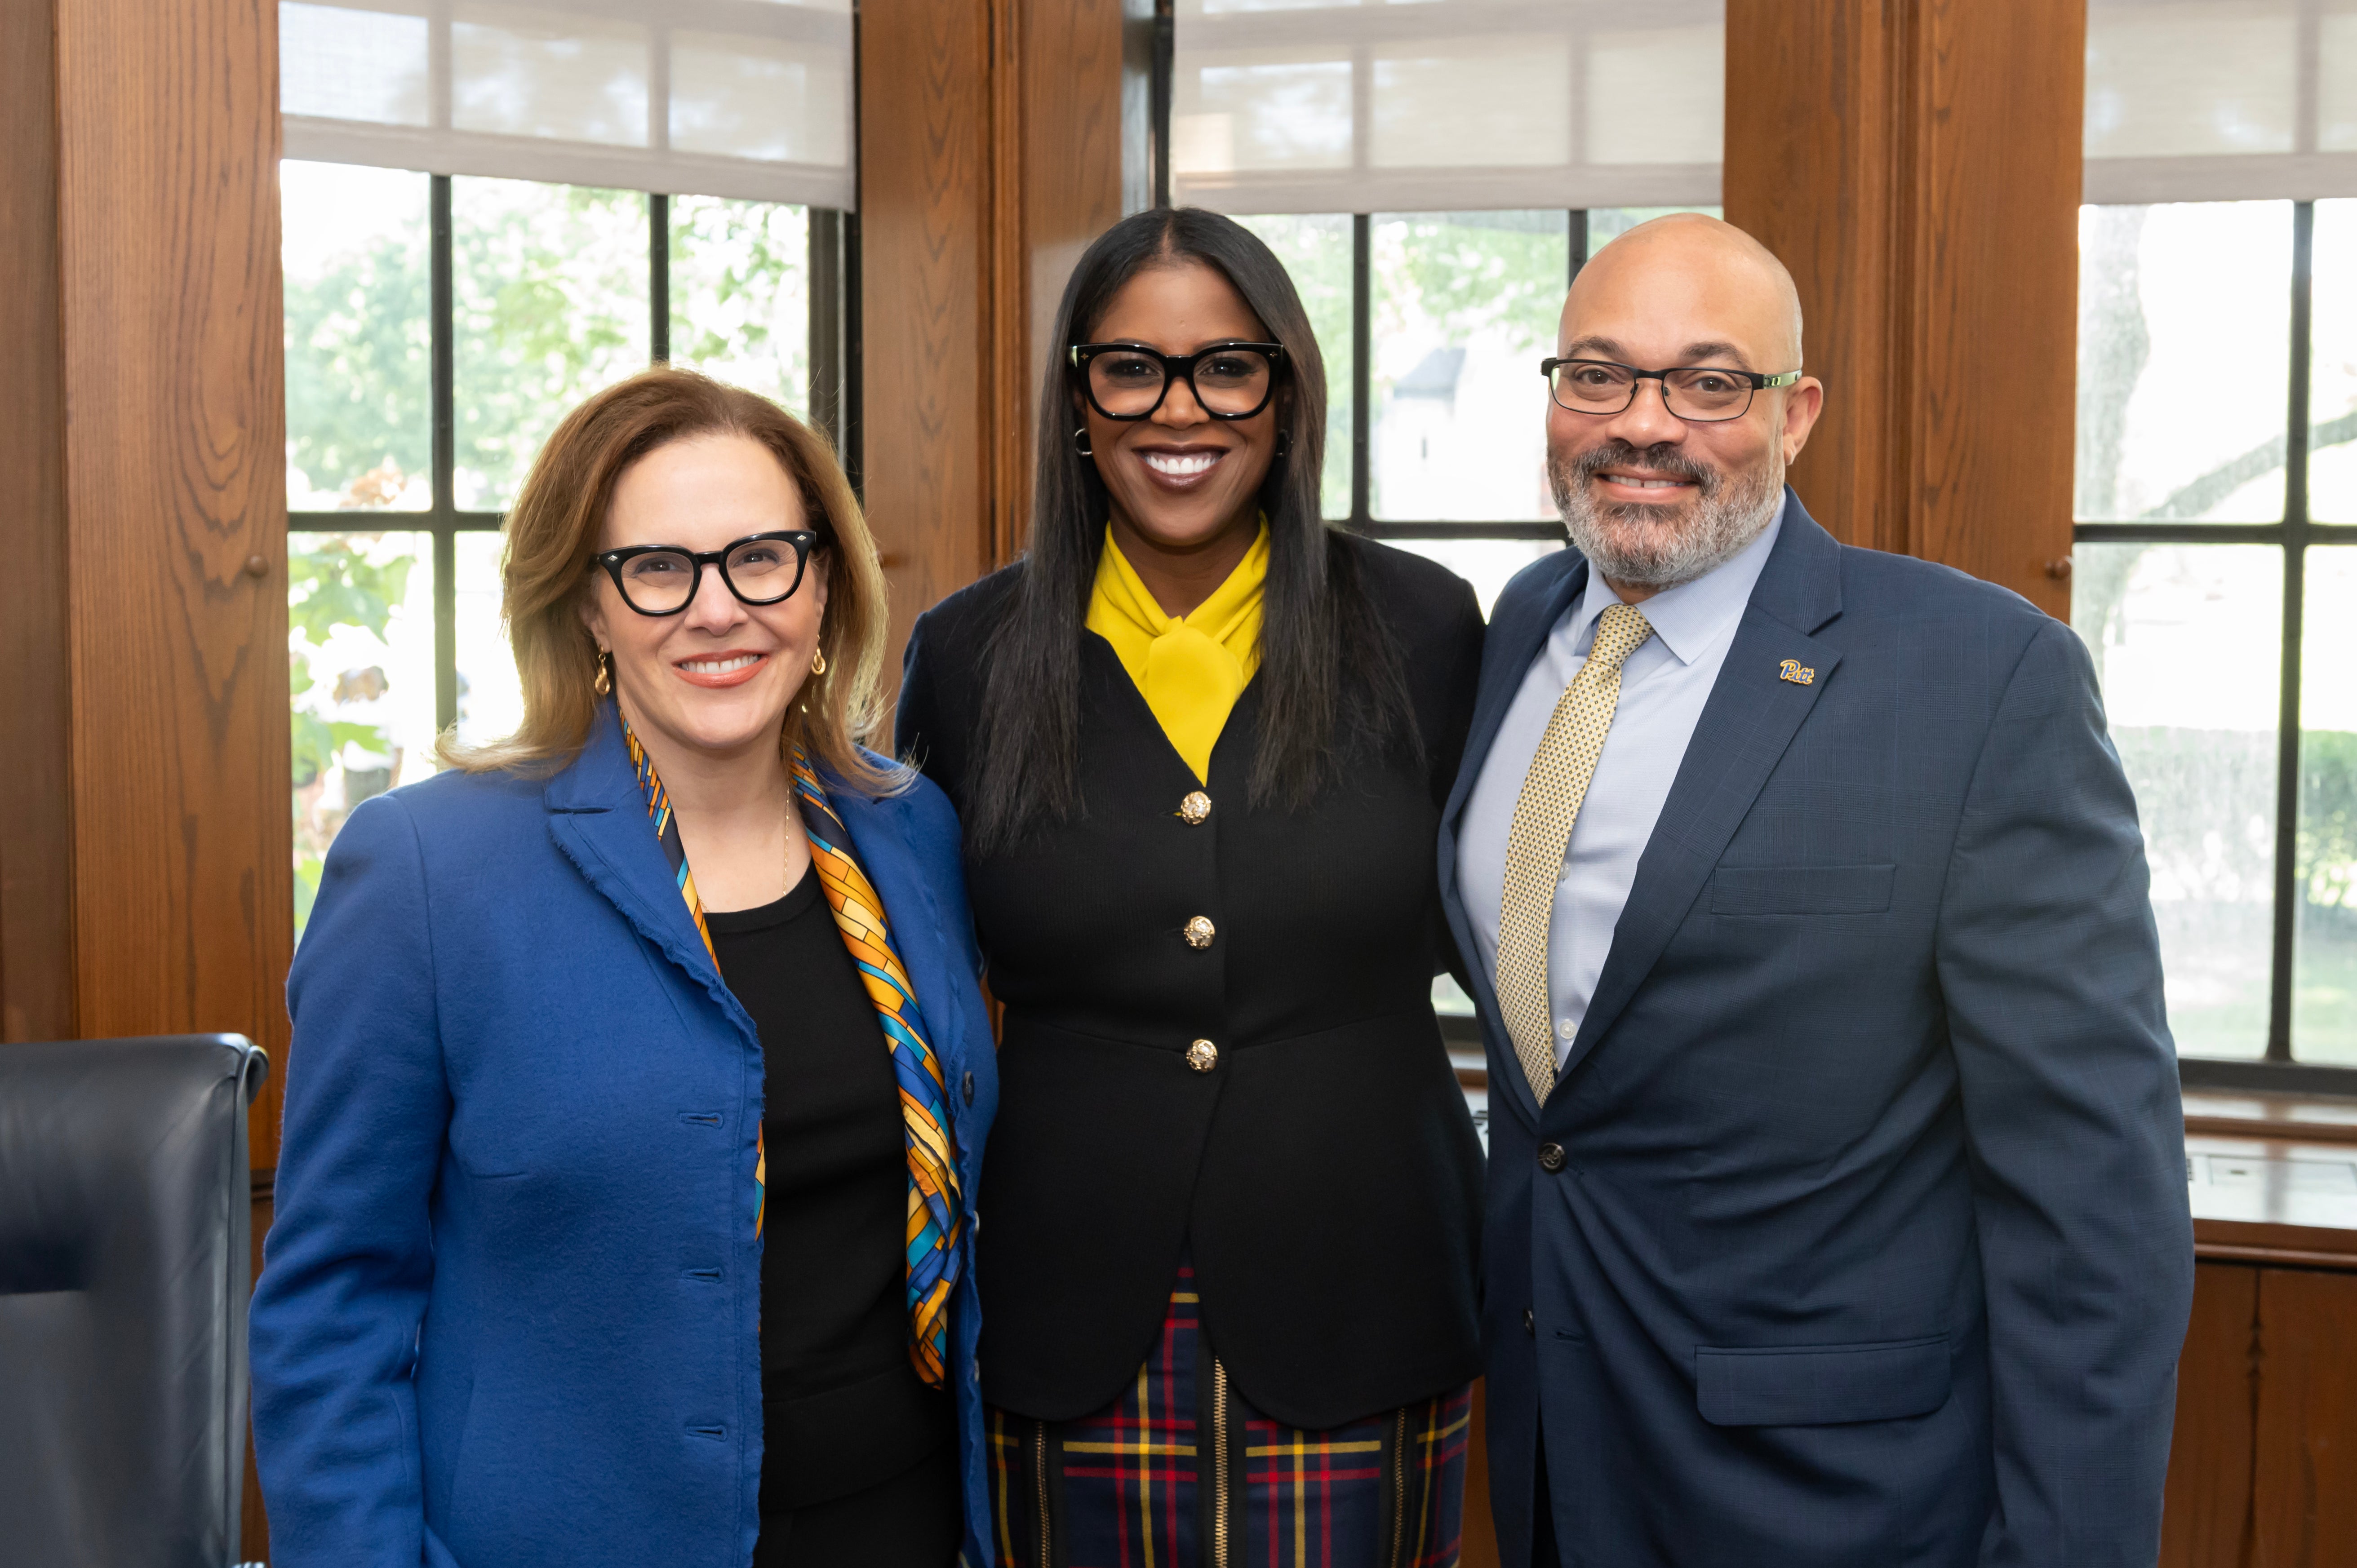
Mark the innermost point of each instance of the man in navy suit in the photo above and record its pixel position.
(1837, 1207)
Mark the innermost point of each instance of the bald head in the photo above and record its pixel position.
(1696, 280)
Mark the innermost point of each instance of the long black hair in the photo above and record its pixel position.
(1329, 669)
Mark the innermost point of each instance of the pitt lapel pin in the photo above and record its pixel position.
(1795, 672)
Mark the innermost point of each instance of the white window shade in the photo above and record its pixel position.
(2221, 100)
(1447, 105)
(748, 99)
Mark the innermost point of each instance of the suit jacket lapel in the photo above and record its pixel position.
(1512, 646)
(1745, 728)
(597, 816)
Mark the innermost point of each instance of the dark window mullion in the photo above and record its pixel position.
(2295, 538)
(2178, 533)
(1578, 237)
(1362, 365)
(442, 519)
(1160, 88)
(658, 278)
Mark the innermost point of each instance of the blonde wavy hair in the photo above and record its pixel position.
(553, 532)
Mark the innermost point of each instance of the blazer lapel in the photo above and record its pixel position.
(597, 816)
(1749, 721)
(1512, 646)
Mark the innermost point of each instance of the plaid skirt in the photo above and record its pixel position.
(1180, 1472)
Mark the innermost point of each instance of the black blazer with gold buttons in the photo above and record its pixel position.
(1219, 1042)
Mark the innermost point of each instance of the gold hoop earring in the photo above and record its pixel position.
(604, 684)
(818, 662)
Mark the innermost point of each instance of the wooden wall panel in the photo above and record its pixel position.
(1996, 261)
(1816, 124)
(990, 154)
(35, 812)
(925, 169)
(175, 509)
(1916, 163)
(1071, 167)
(2304, 1496)
(2209, 1499)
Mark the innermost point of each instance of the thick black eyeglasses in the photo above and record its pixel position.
(1703, 394)
(661, 579)
(1128, 381)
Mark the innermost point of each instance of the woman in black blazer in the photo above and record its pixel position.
(1200, 743)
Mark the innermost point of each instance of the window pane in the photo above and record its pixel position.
(740, 293)
(1488, 564)
(490, 697)
(2184, 359)
(2332, 384)
(1315, 249)
(359, 348)
(2324, 963)
(1465, 305)
(2186, 644)
(551, 305)
(360, 646)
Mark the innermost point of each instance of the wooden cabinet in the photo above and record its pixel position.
(2209, 1499)
(2264, 1472)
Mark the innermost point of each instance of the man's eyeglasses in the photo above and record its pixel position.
(661, 579)
(1704, 395)
(1230, 381)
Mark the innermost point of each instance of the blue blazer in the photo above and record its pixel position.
(1870, 1243)
(510, 1308)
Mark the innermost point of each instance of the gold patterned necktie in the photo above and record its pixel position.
(1549, 805)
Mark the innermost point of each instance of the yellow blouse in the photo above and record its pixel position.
(1191, 669)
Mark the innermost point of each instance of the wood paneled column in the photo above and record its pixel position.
(148, 839)
(990, 154)
(1916, 163)
(146, 834)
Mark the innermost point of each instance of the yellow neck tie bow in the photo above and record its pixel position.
(1191, 668)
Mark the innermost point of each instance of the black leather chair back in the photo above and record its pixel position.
(125, 1263)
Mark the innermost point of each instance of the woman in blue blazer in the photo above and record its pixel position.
(640, 1076)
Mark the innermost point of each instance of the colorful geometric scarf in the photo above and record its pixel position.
(936, 1214)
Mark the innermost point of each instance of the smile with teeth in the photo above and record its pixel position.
(720, 666)
(1182, 465)
(1637, 482)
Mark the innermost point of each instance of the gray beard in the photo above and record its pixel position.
(1650, 546)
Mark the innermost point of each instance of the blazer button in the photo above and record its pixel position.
(1530, 1324)
(1194, 808)
(1551, 1157)
(1203, 1055)
(968, 1088)
(1199, 932)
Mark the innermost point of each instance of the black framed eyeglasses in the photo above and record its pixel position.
(1701, 395)
(1129, 380)
(661, 579)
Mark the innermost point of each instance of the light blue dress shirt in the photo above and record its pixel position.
(1663, 686)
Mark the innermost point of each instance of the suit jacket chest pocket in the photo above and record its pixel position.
(1789, 890)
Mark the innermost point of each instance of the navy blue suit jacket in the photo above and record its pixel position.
(509, 1316)
(1869, 1245)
